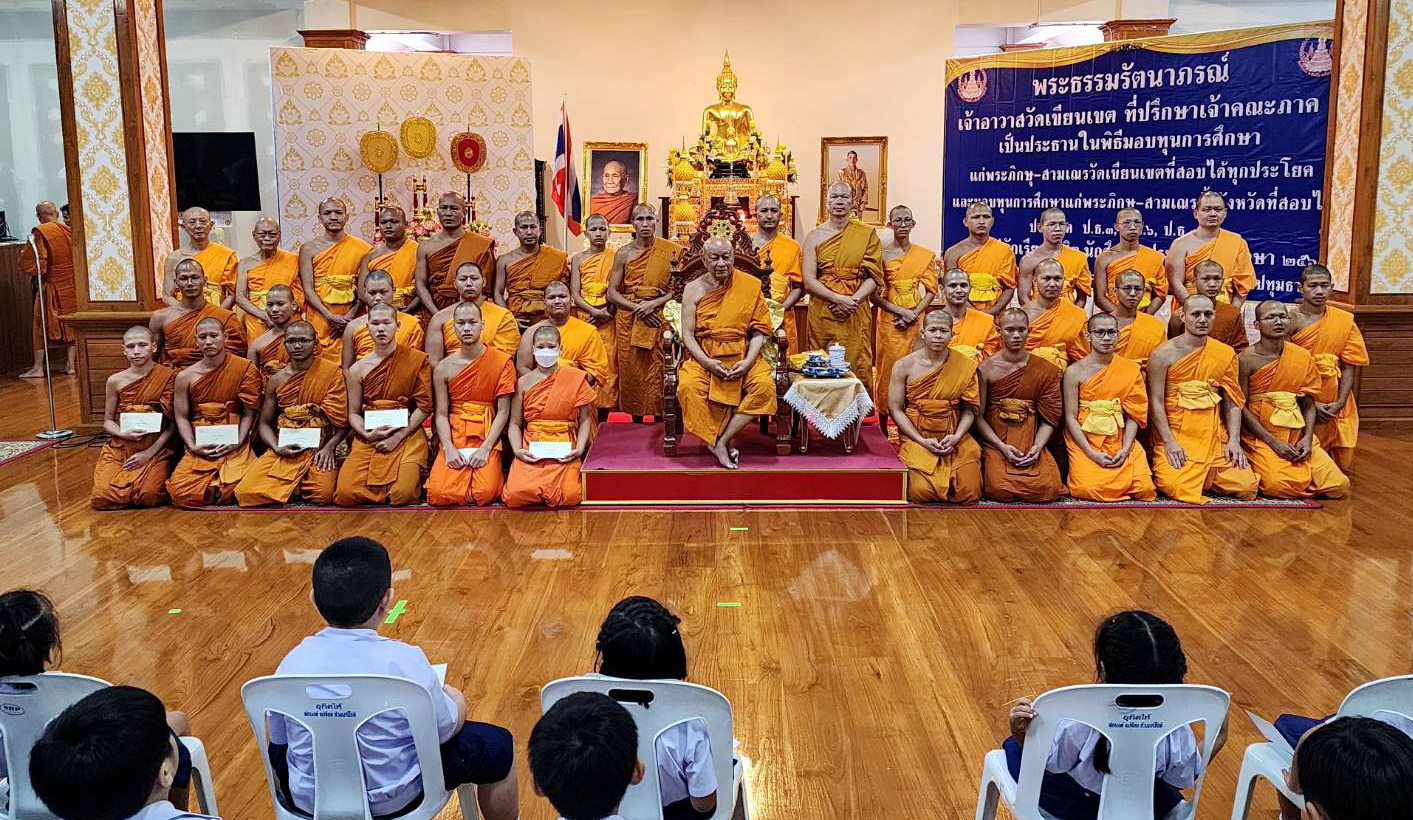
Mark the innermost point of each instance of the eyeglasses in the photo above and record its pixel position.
(1104, 332)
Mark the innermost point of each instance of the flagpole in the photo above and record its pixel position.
(568, 158)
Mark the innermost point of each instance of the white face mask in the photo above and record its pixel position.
(546, 356)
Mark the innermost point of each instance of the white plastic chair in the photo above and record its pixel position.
(25, 714)
(1269, 761)
(1134, 732)
(657, 705)
(340, 792)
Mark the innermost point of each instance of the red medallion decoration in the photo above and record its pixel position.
(468, 152)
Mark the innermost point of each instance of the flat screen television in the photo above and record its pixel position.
(216, 171)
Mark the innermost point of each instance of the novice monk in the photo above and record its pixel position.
(257, 274)
(1195, 397)
(552, 403)
(786, 279)
(1210, 241)
(309, 393)
(216, 259)
(1074, 265)
(935, 397)
(220, 389)
(1106, 401)
(385, 463)
(1020, 409)
(973, 331)
(843, 267)
(328, 274)
(440, 257)
(723, 383)
(522, 274)
(377, 289)
(588, 285)
(396, 255)
(498, 328)
(472, 387)
(989, 262)
(1056, 324)
(637, 285)
(132, 467)
(1140, 332)
(268, 350)
(174, 328)
(580, 344)
(1329, 333)
(1128, 255)
(909, 286)
(1278, 425)
(1228, 326)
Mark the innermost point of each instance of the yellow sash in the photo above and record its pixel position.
(1196, 394)
(1013, 411)
(335, 289)
(594, 293)
(1327, 364)
(1054, 354)
(1105, 417)
(984, 287)
(548, 430)
(1287, 413)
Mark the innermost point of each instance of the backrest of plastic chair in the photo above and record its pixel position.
(1387, 695)
(339, 791)
(23, 716)
(657, 705)
(1135, 719)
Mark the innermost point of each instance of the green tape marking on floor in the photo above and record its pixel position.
(398, 608)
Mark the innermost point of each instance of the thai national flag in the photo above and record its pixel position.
(566, 183)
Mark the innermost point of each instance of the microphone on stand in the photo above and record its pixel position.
(54, 433)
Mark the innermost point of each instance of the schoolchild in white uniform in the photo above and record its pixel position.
(584, 756)
(1353, 768)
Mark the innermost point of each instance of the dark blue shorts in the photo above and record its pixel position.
(1062, 796)
(182, 778)
(1294, 727)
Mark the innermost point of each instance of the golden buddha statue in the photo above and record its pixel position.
(730, 139)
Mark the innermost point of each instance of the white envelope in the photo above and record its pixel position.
(1269, 731)
(440, 669)
(373, 419)
(466, 451)
(217, 434)
(307, 438)
(146, 422)
(550, 449)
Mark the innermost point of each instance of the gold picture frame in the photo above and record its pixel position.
(634, 157)
(871, 154)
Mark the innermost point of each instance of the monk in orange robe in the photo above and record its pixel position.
(268, 351)
(1140, 332)
(552, 404)
(472, 388)
(439, 258)
(637, 285)
(396, 255)
(498, 328)
(221, 389)
(617, 196)
(1195, 399)
(1052, 248)
(308, 394)
(522, 274)
(377, 289)
(990, 262)
(53, 270)
(133, 465)
(973, 331)
(385, 463)
(1056, 324)
(1331, 336)
(1209, 241)
(328, 274)
(786, 279)
(1106, 402)
(1281, 381)
(723, 383)
(1125, 255)
(935, 396)
(909, 286)
(843, 268)
(219, 261)
(175, 327)
(579, 343)
(1228, 325)
(1020, 409)
(269, 266)
(588, 285)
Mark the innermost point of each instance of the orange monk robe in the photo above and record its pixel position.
(551, 413)
(402, 380)
(179, 335)
(638, 346)
(526, 279)
(975, 335)
(726, 317)
(217, 397)
(1331, 340)
(473, 393)
(1230, 251)
(115, 488)
(933, 405)
(581, 346)
(1229, 327)
(442, 265)
(1015, 405)
(498, 330)
(220, 263)
(1106, 399)
(280, 269)
(409, 334)
(401, 265)
(1137, 339)
(1147, 261)
(992, 268)
(904, 281)
(56, 260)
(1057, 335)
(616, 208)
(273, 357)
(318, 397)
(336, 281)
(846, 260)
(785, 272)
(593, 288)
(1194, 408)
(1076, 266)
(1276, 388)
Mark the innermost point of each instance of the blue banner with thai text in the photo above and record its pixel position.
(1148, 125)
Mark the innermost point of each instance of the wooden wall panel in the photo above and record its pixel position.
(1385, 388)
(100, 355)
(16, 311)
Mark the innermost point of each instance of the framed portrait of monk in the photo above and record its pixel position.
(614, 180)
(863, 163)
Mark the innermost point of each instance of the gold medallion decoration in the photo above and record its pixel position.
(419, 137)
(378, 150)
(468, 152)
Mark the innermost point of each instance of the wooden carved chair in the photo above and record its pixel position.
(724, 222)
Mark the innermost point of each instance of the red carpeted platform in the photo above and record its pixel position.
(626, 465)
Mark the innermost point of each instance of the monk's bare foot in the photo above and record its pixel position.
(33, 373)
(735, 454)
(723, 455)
(70, 370)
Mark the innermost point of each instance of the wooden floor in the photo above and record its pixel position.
(869, 661)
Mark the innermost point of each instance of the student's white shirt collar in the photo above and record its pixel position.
(162, 810)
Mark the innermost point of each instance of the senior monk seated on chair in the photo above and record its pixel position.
(843, 268)
(472, 388)
(973, 331)
(396, 255)
(1281, 380)
(217, 260)
(1126, 255)
(268, 349)
(1332, 337)
(1140, 332)
(133, 465)
(385, 463)
(174, 328)
(723, 383)
(1074, 264)
(439, 258)
(1228, 326)
(378, 290)
(223, 390)
(498, 328)
(308, 394)
(328, 275)
(522, 274)
(257, 274)
(553, 410)
(1195, 398)
(989, 262)
(638, 287)
(1209, 241)
(579, 342)
(935, 396)
(588, 285)
(1020, 409)
(1106, 401)
(1056, 323)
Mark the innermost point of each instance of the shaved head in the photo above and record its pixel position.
(556, 284)
(283, 290)
(840, 186)
(378, 276)
(1013, 313)
(1099, 319)
(937, 317)
(546, 332)
(299, 325)
(211, 321)
(1200, 297)
(137, 330)
(470, 306)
